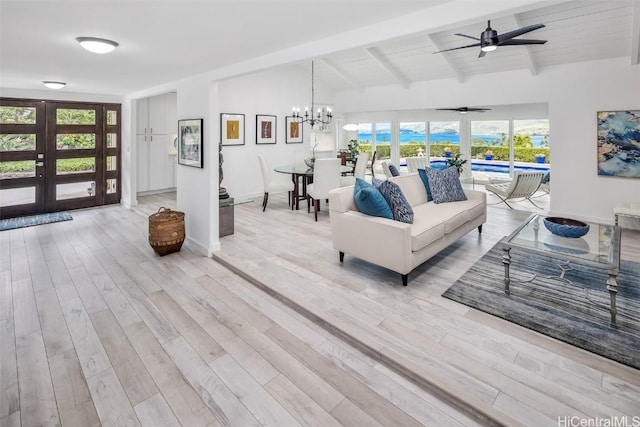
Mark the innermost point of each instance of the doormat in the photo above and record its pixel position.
(29, 221)
(576, 313)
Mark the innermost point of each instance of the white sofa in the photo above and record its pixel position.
(399, 246)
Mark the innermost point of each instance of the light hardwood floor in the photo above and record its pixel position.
(95, 329)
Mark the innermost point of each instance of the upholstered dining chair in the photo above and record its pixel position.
(326, 176)
(522, 186)
(273, 186)
(358, 171)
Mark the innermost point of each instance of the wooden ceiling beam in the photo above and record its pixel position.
(385, 64)
(531, 62)
(445, 55)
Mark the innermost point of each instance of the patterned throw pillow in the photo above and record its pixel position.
(397, 201)
(425, 181)
(394, 170)
(370, 201)
(445, 185)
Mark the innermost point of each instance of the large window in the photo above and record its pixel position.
(444, 138)
(383, 140)
(413, 138)
(531, 141)
(490, 140)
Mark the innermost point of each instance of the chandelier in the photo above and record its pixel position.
(321, 118)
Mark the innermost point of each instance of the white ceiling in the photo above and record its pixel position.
(163, 41)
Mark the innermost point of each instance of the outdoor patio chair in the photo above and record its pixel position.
(522, 186)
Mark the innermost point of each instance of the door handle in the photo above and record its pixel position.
(39, 164)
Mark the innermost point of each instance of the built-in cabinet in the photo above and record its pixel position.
(156, 131)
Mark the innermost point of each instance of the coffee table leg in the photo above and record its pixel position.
(612, 286)
(506, 260)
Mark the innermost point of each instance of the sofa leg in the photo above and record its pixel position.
(341, 256)
(480, 229)
(404, 279)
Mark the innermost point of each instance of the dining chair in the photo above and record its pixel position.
(273, 186)
(373, 164)
(358, 172)
(326, 177)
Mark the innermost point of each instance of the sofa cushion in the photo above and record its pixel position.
(412, 188)
(370, 200)
(425, 181)
(445, 185)
(426, 227)
(397, 202)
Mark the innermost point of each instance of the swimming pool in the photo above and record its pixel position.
(494, 167)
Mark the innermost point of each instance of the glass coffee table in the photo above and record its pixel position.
(599, 248)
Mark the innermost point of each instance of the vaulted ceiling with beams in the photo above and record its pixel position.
(575, 30)
(356, 43)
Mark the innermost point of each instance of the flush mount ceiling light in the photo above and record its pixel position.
(54, 85)
(97, 45)
(350, 127)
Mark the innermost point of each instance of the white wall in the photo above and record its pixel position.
(197, 194)
(573, 92)
(271, 92)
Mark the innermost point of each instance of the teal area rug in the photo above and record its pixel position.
(29, 221)
(576, 313)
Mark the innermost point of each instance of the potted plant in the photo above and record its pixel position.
(354, 148)
(447, 151)
(488, 155)
(540, 158)
(458, 162)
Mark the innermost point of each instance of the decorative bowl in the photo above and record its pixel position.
(565, 227)
(310, 162)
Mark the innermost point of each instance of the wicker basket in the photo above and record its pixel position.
(166, 231)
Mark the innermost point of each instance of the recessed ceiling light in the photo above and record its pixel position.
(54, 85)
(97, 45)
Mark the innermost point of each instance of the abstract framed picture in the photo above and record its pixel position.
(231, 129)
(190, 143)
(265, 129)
(619, 143)
(293, 130)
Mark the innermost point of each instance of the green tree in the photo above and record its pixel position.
(522, 141)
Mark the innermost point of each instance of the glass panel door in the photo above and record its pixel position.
(22, 148)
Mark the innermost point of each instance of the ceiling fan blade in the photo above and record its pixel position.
(518, 32)
(482, 53)
(469, 37)
(461, 47)
(519, 42)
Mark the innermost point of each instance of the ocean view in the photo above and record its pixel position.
(448, 137)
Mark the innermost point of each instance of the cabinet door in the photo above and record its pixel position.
(142, 163)
(142, 116)
(159, 162)
(157, 118)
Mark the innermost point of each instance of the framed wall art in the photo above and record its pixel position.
(190, 142)
(293, 130)
(619, 143)
(232, 129)
(265, 129)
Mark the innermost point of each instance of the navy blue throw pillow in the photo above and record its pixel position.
(425, 181)
(394, 170)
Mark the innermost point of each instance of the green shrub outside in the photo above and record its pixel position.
(64, 165)
(522, 154)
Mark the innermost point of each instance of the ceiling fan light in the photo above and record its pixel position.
(350, 127)
(97, 45)
(489, 48)
(54, 85)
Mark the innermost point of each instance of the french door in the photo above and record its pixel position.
(58, 155)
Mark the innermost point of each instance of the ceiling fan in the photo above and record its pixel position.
(490, 39)
(465, 110)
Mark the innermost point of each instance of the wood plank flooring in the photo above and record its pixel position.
(98, 330)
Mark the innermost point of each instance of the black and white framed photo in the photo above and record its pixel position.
(265, 129)
(190, 142)
(232, 129)
(293, 130)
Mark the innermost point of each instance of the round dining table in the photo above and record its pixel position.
(301, 176)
